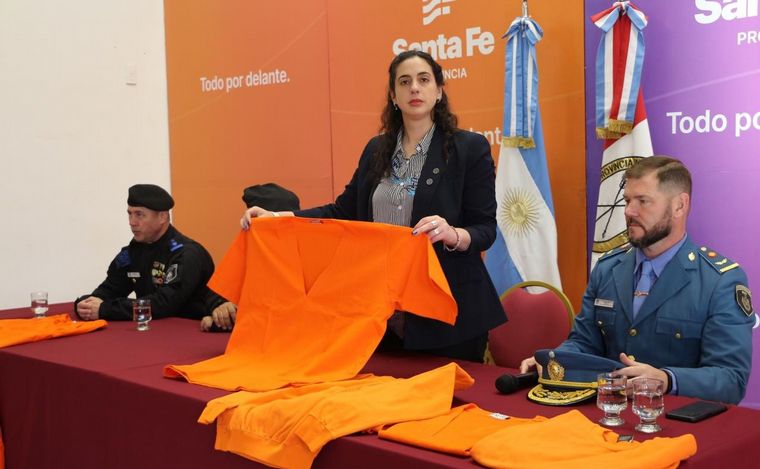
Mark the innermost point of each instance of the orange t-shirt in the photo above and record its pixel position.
(454, 432)
(571, 440)
(288, 427)
(313, 299)
(21, 331)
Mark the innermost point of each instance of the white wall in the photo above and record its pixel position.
(74, 136)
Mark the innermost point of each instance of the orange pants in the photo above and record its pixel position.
(288, 427)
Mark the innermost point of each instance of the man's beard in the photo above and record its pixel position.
(657, 233)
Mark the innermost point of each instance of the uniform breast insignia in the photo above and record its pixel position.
(744, 299)
(720, 263)
(171, 273)
(692, 257)
(157, 273)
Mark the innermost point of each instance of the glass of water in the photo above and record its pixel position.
(648, 403)
(611, 398)
(141, 313)
(39, 303)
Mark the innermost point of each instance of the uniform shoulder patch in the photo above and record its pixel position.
(174, 245)
(718, 262)
(614, 252)
(122, 258)
(744, 299)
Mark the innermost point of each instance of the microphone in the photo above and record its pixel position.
(507, 384)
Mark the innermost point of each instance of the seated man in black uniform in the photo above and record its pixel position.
(159, 263)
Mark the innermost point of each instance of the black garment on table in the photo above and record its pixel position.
(172, 272)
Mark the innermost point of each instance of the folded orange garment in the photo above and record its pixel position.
(571, 440)
(455, 432)
(314, 297)
(21, 331)
(288, 427)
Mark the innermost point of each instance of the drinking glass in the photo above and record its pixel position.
(648, 403)
(39, 303)
(141, 313)
(611, 398)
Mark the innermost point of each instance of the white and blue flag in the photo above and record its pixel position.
(526, 241)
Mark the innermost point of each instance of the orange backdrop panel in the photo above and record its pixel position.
(308, 133)
(365, 36)
(262, 116)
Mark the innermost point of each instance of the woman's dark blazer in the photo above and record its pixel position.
(462, 191)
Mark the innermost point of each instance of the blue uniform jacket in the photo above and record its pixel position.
(690, 323)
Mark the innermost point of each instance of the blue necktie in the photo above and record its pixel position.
(642, 288)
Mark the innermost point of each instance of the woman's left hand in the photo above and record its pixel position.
(437, 229)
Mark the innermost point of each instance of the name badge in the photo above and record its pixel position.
(604, 303)
(133, 274)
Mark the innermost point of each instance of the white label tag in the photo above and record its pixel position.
(604, 303)
(499, 416)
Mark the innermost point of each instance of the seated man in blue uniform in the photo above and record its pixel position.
(160, 263)
(663, 306)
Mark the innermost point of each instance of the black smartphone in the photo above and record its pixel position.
(696, 411)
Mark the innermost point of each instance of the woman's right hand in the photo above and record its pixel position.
(253, 212)
(256, 212)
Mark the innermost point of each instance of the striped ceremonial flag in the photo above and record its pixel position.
(620, 117)
(526, 241)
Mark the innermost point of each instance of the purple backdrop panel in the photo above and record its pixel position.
(701, 83)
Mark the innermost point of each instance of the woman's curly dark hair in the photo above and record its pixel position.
(391, 121)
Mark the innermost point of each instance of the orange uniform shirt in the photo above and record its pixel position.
(313, 299)
(288, 427)
(454, 432)
(21, 331)
(571, 440)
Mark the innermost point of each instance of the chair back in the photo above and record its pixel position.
(536, 321)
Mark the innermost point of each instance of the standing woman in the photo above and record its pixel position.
(424, 172)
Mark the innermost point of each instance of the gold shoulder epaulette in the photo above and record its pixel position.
(718, 262)
(614, 252)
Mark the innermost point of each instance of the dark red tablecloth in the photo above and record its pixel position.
(99, 400)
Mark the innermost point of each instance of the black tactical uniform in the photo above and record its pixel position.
(172, 272)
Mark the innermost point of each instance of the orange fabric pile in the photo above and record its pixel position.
(288, 427)
(21, 331)
(571, 440)
(454, 432)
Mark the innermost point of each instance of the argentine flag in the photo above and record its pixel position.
(526, 241)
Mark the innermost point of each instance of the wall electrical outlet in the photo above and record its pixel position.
(131, 74)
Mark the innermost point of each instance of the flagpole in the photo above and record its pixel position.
(525, 8)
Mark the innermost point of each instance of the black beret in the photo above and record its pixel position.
(270, 196)
(150, 196)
